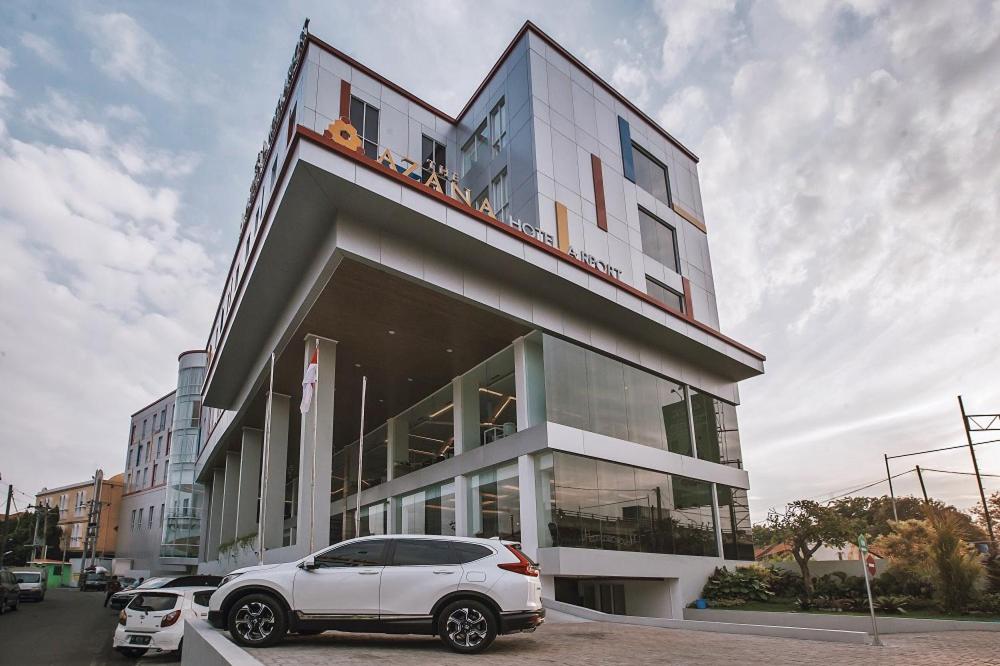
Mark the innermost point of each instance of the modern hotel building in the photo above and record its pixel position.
(526, 287)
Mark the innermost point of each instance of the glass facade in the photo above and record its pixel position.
(734, 522)
(588, 503)
(426, 433)
(716, 435)
(493, 382)
(374, 520)
(430, 510)
(495, 503)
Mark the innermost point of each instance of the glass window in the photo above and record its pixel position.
(469, 552)
(495, 500)
(432, 156)
(370, 553)
(27, 576)
(494, 380)
(374, 521)
(734, 523)
(651, 174)
(695, 522)
(422, 552)
(428, 511)
(364, 117)
(476, 148)
(659, 240)
(717, 437)
(428, 429)
(498, 126)
(202, 598)
(664, 294)
(500, 199)
(153, 601)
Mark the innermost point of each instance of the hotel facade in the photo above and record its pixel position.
(526, 288)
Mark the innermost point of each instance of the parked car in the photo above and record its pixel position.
(464, 590)
(32, 583)
(10, 591)
(128, 582)
(120, 599)
(93, 580)
(154, 619)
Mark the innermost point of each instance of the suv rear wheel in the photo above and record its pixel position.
(467, 626)
(257, 620)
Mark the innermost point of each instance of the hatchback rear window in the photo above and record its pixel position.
(201, 598)
(28, 577)
(152, 602)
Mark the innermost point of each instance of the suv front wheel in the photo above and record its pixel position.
(257, 620)
(467, 626)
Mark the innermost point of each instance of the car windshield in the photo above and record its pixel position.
(28, 577)
(153, 601)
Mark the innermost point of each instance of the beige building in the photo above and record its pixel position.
(74, 501)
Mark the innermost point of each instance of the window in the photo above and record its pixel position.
(664, 294)
(150, 525)
(201, 598)
(159, 444)
(288, 137)
(149, 449)
(138, 454)
(494, 382)
(475, 148)
(361, 554)
(145, 477)
(140, 518)
(155, 466)
(133, 520)
(422, 552)
(184, 510)
(500, 196)
(716, 435)
(734, 521)
(498, 126)
(651, 175)
(469, 552)
(364, 117)
(161, 515)
(496, 503)
(429, 431)
(153, 602)
(428, 511)
(144, 428)
(432, 156)
(659, 240)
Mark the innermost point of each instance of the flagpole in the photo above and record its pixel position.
(312, 479)
(361, 455)
(261, 531)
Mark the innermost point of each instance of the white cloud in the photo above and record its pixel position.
(124, 113)
(125, 51)
(693, 28)
(5, 63)
(685, 113)
(631, 81)
(46, 51)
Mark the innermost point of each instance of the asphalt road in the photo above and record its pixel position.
(69, 627)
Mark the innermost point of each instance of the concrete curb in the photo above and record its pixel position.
(204, 646)
(886, 625)
(802, 633)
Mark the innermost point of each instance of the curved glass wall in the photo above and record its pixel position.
(184, 498)
(429, 510)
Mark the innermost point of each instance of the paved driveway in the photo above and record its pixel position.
(600, 644)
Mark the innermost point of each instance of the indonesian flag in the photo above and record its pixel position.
(309, 382)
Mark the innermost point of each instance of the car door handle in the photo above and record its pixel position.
(444, 571)
(368, 573)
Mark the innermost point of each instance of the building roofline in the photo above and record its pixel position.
(161, 399)
(182, 355)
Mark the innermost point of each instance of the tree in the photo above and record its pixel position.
(993, 503)
(805, 526)
(877, 514)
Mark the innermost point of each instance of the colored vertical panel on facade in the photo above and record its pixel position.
(688, 301)
(628, 163)
(602, 212)
(345, 100)
(562, 227)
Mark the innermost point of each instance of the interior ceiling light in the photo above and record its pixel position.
(441, 411)
(409, 379)
(357, 365)
(392, 332)
(449, 350)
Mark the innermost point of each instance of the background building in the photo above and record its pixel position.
(527, 288)
(74, 502)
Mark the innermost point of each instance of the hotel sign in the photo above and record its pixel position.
(447, 182)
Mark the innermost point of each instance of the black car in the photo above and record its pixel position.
(93, 580)
(9, 591)
(120, 599)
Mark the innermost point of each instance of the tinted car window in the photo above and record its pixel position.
(361, 554)
(151, 601)
(194, 581)
(27, 577)
(469, 552)
(201, 598)
(415, 552)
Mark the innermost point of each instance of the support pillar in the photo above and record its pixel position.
(273, 471)
(230, 496)
(529, 383)
(248, 493)
(462, 506)
(215, 515)
(316, 448)
(716, 514)
(397, 449)
(529, 505)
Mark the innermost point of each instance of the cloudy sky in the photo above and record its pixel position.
(850, 170)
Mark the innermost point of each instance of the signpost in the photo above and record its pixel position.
(868, 563)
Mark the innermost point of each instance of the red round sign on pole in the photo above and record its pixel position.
(870, 563)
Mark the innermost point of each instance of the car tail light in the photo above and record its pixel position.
(122, 618)
(523, 566)
(170, 618)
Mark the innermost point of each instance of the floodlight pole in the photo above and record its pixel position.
(979, 479)
(361, 455)
(892, 496)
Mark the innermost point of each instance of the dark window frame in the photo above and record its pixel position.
(435, 145)
(666, 173)
(679, 295)
(676, 267)
(364, 127)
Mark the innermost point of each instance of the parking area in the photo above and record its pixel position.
(596, 643)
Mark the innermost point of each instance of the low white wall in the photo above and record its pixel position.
(841, 621)
(818, 568)
(831, 635)
(204, 646)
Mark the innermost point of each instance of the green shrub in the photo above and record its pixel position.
(891, 603)
(837, 584)
(988, 604)
(743, 583)
(725, 603)
(898, 580)
(784, 583)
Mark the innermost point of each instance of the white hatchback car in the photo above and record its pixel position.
(154, 619)
(465, 590)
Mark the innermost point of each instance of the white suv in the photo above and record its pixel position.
(467, 591)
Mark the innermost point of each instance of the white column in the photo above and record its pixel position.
(458, 416)
(248, 496)
(690, 413)
(529, 505)
(215, 515)
(391, 523)
(397, 449)
(230, 495)
(718, 521)
(462, 505)
(316, 448)
(272, 501)
(529, 383)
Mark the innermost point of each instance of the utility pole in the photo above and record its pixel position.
(94, 520)
(892, 496)
(45, 532)
(923, 488)
(6, 522)
(979, 479)
(36, 540)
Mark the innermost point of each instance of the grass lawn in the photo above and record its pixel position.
(779, 605)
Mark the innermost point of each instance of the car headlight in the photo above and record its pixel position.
(229, 577)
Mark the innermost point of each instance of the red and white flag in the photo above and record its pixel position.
(309, 382)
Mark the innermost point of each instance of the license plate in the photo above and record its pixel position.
(139, 640)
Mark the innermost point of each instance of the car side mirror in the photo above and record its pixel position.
(309, 564)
